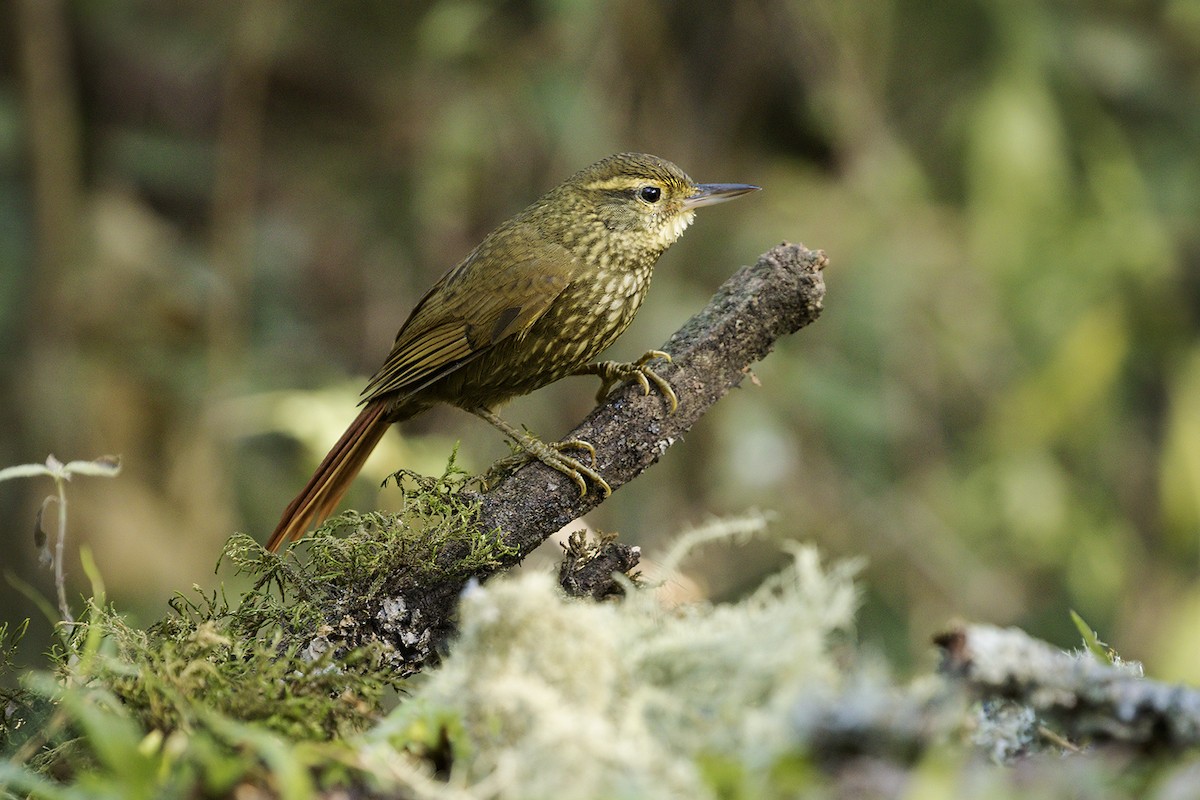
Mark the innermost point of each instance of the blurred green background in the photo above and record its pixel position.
(214, 217)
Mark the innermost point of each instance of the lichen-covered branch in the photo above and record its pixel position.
(1084, 699)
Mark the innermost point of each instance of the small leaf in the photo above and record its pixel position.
(104, 467)
(1090, 640)
(24, 471)
(41, 539)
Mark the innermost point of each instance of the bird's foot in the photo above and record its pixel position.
(612, 373)
(551, 455)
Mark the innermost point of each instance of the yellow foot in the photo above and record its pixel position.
(612, 373)
(549, 454)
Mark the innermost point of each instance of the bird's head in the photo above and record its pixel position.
(638, 202)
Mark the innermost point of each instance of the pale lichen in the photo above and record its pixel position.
(548, 697)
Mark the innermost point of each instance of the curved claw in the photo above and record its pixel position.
(665, 389)
(653, 355)
(614, 372)
(576, 471)
(578, 444)
(640, 377)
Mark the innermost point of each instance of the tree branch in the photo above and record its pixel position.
(1084, 699)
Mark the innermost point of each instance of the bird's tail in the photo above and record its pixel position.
(333, 477)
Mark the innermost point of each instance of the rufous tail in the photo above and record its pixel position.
(333, 477)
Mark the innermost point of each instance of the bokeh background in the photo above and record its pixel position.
(214, 217)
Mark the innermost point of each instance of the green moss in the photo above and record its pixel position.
(221, 691)
(178, 673)
(261, 689)
(274, 657)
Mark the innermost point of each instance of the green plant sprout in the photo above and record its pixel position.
(104, 467)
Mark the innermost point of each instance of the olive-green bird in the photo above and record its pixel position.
(536, 301)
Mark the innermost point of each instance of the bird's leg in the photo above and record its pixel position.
(549, 454)
(613, 372)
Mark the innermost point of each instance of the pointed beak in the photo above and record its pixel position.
(707, 194)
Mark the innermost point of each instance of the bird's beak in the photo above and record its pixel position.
(707, 194)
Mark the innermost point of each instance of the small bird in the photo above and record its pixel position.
(536, 301)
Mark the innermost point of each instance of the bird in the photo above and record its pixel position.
(539, 298)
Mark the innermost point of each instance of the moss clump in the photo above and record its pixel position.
(206, 659)
(360, 558)
(306, 652)
(270, 684)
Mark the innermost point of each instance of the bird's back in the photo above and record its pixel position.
(540, 296)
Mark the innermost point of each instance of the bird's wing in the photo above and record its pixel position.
(497, 291)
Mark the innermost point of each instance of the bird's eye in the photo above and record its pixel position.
(650, 193)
